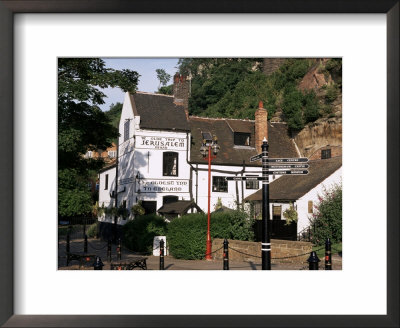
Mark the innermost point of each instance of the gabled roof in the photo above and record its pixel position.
(158, 112)
(179, 207)
(108, 166)
(292, 187)
(280, 143)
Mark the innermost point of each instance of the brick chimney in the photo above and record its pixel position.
(261, 127)
(182, 92)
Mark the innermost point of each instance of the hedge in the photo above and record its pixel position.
(186, 236)
(138, 234)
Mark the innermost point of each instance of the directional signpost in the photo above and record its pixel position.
(271, 166)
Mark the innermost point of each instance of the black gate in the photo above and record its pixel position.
(278, 230)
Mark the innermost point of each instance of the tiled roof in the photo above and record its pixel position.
(280, 144)
(292, 187)
(109, 165)
(159, 112)
(178, 207)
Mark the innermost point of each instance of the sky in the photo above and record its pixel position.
(146, 67)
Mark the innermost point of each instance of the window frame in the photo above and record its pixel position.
(215, 185)
(326, 153)
(248, 182)
(106, 182)
(273, 214)
(240, 135)
(126, 130)
(174, 155)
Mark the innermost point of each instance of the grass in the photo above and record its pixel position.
(334, 247)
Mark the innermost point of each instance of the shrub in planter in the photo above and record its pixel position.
(139, 233)
(186, 236)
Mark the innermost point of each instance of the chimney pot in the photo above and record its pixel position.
(260, 104)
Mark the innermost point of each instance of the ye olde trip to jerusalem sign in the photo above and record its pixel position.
(172, 143)
(161, 185)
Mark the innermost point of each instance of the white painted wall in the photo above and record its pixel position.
(302, 203)
(104, 194)
(148, 163)
(229, 198)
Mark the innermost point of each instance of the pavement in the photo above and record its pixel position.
(98, 247)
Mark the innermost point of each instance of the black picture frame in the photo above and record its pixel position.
(10, 7)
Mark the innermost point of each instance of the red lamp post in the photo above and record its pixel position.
(205, 150)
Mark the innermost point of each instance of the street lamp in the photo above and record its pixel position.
(205, 150)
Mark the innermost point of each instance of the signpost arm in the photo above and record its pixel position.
(265, 241)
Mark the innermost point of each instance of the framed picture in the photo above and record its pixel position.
(207, 299)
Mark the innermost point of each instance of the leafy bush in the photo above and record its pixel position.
(91, 232)
(187, 235)
(139, 233)
(328, 217)
(311, 107)
(332, 92)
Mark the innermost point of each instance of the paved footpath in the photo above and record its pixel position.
(99, 248)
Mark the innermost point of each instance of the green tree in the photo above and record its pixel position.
(114, 114)
(82, 126)
(166, 90)
(327, 218)
(163, 77)
(213, 78)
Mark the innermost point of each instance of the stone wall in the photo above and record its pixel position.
(279, 248)
(319, 134)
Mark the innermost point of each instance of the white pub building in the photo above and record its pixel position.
(159, 161)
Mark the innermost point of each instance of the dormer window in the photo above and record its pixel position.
(207, 137)
(241, 139)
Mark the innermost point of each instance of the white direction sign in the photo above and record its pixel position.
(256, 158)
(288, 166)
(288, 160)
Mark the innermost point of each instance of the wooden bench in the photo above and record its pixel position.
(81, 257)
(135, 262)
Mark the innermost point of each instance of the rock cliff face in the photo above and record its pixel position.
(319, 134)
(326, 132)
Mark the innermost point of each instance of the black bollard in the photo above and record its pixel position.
(98, 264)
(226, 255)
(161, 254)
(119, 251)
(67, 248)
(328, 255)
(313, 261)
(109, 250)
(85, 245)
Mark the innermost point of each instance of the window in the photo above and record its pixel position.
(252, 184)
(106, 183)
(170, 164)
(219, 184)
(326, 153)
(149, 206)
(126, 130)
(207, 137)
(112, 153)
(124, 203)
(241, 139)
(310, 206)
(89, 154)
(276, 212)
(169, 199)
